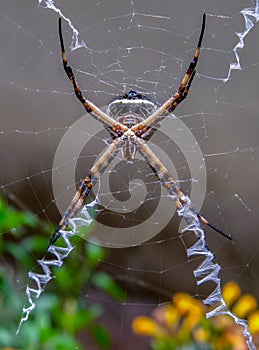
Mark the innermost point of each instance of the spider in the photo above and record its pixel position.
(131, 121)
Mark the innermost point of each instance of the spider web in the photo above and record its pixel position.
(118, 46)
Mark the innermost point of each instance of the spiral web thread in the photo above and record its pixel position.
(207, 271)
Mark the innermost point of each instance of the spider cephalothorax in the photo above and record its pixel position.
(131, 119)
(129, 110)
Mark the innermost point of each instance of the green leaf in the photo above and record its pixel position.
(106, 283)
(95, 253)
(101, 336)
(12, 219)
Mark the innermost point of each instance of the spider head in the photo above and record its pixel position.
(133, 95)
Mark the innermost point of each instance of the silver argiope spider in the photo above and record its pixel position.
(131, 120)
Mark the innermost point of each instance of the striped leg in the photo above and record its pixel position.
(85, 187)
(96, 112)
(169, 105)
(168, 182)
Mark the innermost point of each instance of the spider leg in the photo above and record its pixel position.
(91, 108)
(169, 183)
(85, 187)
(169, 105)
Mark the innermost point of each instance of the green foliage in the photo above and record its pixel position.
(11, 219)
(61, 312)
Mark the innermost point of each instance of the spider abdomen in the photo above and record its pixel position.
(131, 108)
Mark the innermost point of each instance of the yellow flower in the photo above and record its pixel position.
(231, 292)
(253, 322)
(184, 322)
(171, 315)
(246, 304)
(166, 315)
(183, 302)
(189, 307)
(201, 335)
(146, 326)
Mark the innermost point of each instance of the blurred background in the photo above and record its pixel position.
(145, 46)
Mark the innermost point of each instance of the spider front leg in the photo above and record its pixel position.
(169, 105)
(85, 187)
(91, 108)
(169, 183)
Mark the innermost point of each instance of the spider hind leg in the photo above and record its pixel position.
(206, 222)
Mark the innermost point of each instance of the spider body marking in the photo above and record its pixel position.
(130, 110)
(131, 120)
